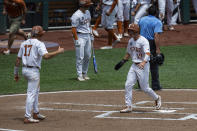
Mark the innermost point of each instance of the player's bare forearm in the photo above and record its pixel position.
(157, 42)
(17, 63)
(16, 68)
(54, 53)
(74, 32)
(127, 56)
(113, 6)
(137, 7)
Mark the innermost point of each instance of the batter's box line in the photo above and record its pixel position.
(107, 116)
(103, 105)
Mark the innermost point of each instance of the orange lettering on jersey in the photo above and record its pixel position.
(27, 47)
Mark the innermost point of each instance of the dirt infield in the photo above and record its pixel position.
(99, 111)
(184, 34)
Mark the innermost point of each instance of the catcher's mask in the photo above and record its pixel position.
(37, 31)
(85, 3)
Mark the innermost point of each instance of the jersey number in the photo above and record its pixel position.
(27, 47)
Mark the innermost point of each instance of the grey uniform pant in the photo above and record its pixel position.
(83, 53)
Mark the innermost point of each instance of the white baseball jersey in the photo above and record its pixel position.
(125, 1)
(144, 1)
(31, 52)
(81, 21)
(137, 49)
(107, 2)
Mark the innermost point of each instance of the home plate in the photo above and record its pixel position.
(165, 111)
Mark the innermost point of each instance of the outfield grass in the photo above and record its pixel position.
(178, 71)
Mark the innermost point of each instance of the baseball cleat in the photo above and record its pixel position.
(158, 103)
(119, 36)
(106, 47)
(38, 116)
(126, 34)
(86, 77)
(6, 52)
(80, 78)
(171, 28)
(126, 110)
(30, 120)
(95, 33)
(115, 42)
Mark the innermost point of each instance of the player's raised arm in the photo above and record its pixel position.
(54, 53)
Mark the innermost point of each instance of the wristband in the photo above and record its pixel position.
(146, 58)
(16, 69)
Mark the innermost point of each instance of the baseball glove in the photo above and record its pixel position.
(158, 59)
(120, 64)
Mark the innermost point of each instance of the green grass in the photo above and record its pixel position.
(59, 73)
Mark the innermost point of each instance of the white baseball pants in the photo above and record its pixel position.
(33, 77)
(141, 12)
(169, 6)
(108, 21)
(83, 53)
(123, 11)
(195, 5)
(134, 74)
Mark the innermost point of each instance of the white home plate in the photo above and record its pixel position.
(165, 111)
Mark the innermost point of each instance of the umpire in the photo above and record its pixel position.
(151, 28)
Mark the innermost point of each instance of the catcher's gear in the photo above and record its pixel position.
(120, 64)
(85, 3)
(37, 31)
(134, 27)
(158, 59)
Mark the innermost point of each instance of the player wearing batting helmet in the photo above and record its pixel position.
(139, 51)
(31, 52)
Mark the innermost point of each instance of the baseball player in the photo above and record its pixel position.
(141, 9)
(169, 6)
(139, 51)
(123, 16)
(31, 52)
(81, 30)
(133, 6)
(16, 10)
(98, 20)
(195, 5)
(109, 11)
(176, 13)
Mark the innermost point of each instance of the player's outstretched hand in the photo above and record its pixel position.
(60, 50)
(16, 78)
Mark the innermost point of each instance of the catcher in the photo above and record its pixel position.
(139, 51)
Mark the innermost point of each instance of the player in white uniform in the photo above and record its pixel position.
(132, 12)
(176, 13)
(82, 34)
(31, 52)
(169, 6)
(139, 51)
(108, 18)
(195, 5)
(141, 9)
(123, 16)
